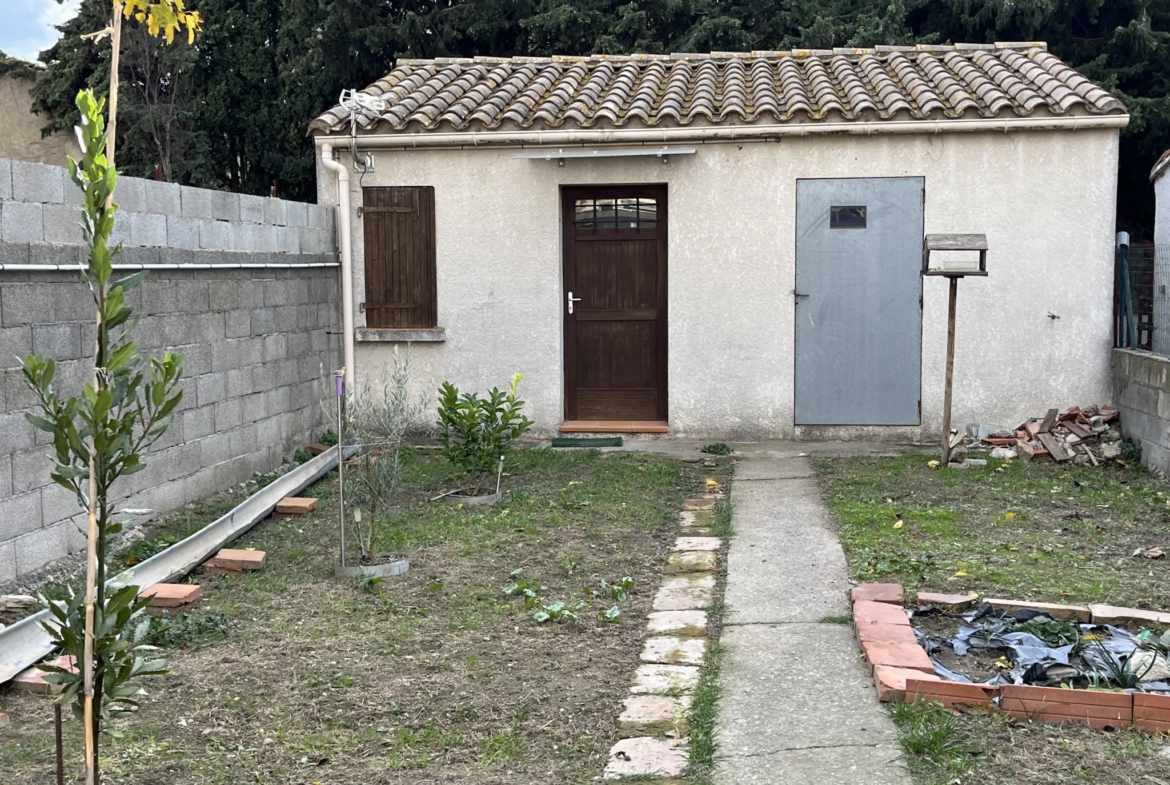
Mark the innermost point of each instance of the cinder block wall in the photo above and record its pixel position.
(256, 341)
(1141, 382)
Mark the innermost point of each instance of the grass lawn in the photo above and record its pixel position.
(1037, 531)
(290, 676)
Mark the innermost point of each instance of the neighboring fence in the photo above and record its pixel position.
(256, 339)
(1135, 303)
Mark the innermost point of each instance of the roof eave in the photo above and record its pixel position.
(719, 132)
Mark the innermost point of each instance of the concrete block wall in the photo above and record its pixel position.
(257, 342)
(1141, 382)
(39, 204)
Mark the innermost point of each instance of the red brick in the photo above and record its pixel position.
(1075, 613)
(4, 721)
(1111, 614)
(1049, 704)
(949, 693)
(316, 448)
(1151, 712)
(886, 633)
(296, 505)
(891, 681)
(237, 559)
(172, 595)
(878, 592)
(898, 655)
(698, 504)
(866, 612)
(953, 603)
(32, 680)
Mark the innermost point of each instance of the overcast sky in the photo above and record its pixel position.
(28, 25)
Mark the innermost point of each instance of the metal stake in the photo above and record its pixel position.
(340, 377)
(60, 745)
(946, 449)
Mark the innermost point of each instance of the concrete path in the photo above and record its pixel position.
(798, 704)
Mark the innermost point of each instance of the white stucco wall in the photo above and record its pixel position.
(1162, 210)
(1044, 199)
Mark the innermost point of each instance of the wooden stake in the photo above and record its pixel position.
(946, 439)
(91, 562)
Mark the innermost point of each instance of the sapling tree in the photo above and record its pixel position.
(98, 438)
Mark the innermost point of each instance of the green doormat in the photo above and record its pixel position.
(600, 441)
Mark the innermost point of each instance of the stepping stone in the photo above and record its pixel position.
(4, 721)
(171, 598)
(684, 562)
(665, 679)
(294, 505)
(646, 756)
(681, 624)
(316, 448)
(654, 715)
(891, 681)
(686, 593)
(951, 603)
(669, 650)
(1074, 613)
(32, 680)
(697, 544)
(699, 504)
(878, 592)
(233, 561)
(692, 519)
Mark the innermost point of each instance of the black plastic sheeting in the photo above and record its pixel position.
(1033, 661)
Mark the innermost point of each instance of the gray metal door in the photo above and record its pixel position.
(859, 301)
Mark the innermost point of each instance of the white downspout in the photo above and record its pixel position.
(343, 229)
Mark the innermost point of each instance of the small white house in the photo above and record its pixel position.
(730, 245)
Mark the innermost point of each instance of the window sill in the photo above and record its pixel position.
(395, 335)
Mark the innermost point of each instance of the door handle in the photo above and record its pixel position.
(572, 300)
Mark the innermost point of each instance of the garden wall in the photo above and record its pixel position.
(1141, 382)
(256, 339)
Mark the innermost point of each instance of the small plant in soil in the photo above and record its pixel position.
(610, 615)
(718, 448)
(618, 591)
(558, 611)
(476, 434)
(379, 417)
(329, 438)
(522, 587)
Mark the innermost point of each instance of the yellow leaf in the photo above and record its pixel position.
(1009, 515)
(712, 484)
(933, 464)
(899, 524)
(961, 574)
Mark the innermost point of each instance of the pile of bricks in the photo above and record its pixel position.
(655, 720)
(1089, 435)
(902, 671)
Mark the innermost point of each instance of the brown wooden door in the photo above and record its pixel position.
(615, 269)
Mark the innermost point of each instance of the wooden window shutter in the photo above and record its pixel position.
(399, 227)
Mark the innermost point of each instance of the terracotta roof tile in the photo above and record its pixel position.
(802, 86)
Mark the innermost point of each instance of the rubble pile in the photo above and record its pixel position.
(1091, 435)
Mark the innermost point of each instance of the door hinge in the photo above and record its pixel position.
(919, 411)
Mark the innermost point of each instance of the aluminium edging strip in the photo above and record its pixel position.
(26, 642)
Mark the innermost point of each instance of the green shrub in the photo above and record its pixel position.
(476, 433)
